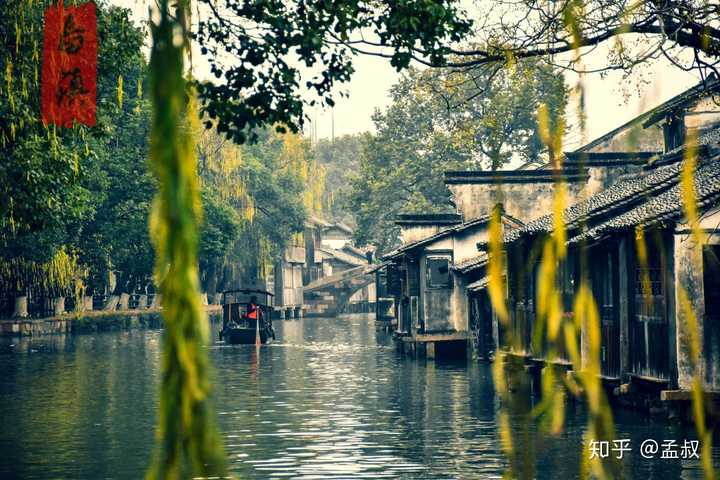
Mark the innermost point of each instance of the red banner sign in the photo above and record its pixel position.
(69, 73)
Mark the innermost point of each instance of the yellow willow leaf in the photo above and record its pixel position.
(691, 324)
(706, 455)
(546, 278)
(559, 234)
(554, 316)
(496, 284)
(76, 164)
(558, 416)
(556, 145)
(571, 343)
(18, 35)
(510, 60)
(586, 309)
(543, 118)
(120, 91)
(642, 259)
(698, 407)
(498, 374)
(505, 433)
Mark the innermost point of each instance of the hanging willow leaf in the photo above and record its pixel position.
(188, 442)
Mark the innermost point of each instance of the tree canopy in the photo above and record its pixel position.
(443, 120)
(260, 52)
(635, 32)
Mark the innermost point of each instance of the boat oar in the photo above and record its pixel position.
(257, 330)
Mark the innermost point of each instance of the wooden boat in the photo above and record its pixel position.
(239, 326)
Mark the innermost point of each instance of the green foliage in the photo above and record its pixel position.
(188, 443)
(274, 43)
(443, 120)
(220, 226)
(340, 158)
(59, 187)
(267, 188)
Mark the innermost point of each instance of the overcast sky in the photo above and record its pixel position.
(611, 100)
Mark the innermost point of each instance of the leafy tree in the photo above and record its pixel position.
(685, 32)
(442, 120)
(340, 158)
(269, 186)
(51, 179)
(259, 52)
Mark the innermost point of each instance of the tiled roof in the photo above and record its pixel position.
(441, 234)
(667, 205)
(343, 256)
(472, 263)
(627, 195)
(479, 285)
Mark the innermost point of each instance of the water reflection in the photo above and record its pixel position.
(332, 399)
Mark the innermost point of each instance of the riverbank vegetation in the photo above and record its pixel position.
(75, 202)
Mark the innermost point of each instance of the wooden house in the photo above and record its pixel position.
(427, 279)
(629, 240)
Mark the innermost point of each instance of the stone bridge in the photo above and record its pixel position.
(329, 296)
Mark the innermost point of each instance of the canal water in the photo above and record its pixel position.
(331, 399)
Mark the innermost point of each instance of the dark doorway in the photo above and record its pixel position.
(649, 321)
(604, 279)
(481, 324)
(711, 330)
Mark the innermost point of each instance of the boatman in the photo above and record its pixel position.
(252, 310)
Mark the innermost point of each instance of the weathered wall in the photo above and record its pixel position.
(524, 201)
(703, 114)
(634, 139)
(459, 301)
(602, 177)
(688, 281)
(414, 233)
(465, 243)
(295, 254)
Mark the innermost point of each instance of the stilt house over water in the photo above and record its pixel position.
(627, 236)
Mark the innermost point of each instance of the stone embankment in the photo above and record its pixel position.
(88, 322)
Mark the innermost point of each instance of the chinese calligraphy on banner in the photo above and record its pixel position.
(69, 84)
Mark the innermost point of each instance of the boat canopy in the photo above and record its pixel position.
(244, 295)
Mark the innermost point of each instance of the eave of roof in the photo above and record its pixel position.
(439, 235)
(471, 264)
(478, 285)
(343, 256)
(466, 177)
(623, 196)
(667, 206)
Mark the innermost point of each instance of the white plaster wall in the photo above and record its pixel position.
(413, 233)
(525, 201)
(465, 244)
(334, 243)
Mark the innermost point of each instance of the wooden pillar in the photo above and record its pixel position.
(430, 350)
(124, 302)
(624, 298)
